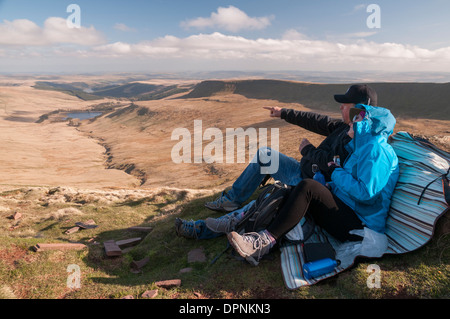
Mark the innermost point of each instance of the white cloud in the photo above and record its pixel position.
(360, 34)
(359, 7)
(123, 27)
(23, 32)
(293, 34)
(229, 19)
(293, 49)
(24, 41)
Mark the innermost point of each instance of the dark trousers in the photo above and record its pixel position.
(328, 212)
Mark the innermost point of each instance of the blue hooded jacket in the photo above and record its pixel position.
(368, 177)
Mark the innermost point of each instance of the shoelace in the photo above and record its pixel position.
(257, 241)
(219, 200)
(188, 228)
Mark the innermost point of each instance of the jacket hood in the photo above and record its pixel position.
(378, 121)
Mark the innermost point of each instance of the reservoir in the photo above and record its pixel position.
(82, 115)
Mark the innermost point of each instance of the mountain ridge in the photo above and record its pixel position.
(410, 100)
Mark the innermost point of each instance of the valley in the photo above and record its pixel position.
(118, 170)
(130, 144)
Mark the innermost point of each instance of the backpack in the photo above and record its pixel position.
(265, 208)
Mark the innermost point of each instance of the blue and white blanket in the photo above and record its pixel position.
(417, 204)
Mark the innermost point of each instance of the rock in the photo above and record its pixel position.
(87, 224)
(168, 283)
(112, 249)
(128, 242)
(72, 230)
(196, 255)
(198, 295)
(136, 265)
(58, 246)
(15, 216)
(150, 294)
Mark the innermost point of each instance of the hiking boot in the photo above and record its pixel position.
(186, 228)
(224, 224)
(222, 204)
(252, 246)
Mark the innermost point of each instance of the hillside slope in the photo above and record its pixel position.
(133, 90)
(416, 100)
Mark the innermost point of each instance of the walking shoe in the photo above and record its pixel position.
(224, 224)
(186, 228)
(252, 246)
(222, 204)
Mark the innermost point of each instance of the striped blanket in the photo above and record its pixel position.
(417, 204)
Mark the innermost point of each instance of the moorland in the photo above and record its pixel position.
(118, 169)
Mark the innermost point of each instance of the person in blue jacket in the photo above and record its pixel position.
(358, 195)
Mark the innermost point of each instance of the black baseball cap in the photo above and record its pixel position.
(358, 93)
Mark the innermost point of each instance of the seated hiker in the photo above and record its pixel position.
(358, 196)
(290, 171)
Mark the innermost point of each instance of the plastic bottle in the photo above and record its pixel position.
(319, 267)
(337, 160)
(318, 176)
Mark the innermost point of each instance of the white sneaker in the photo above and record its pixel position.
(252, 246)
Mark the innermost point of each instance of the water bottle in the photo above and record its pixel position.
(319, 267)
(337, 160)
(318, 176)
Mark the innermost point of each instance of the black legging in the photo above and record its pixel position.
(328, 211)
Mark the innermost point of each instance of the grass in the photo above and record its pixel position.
(26, 274)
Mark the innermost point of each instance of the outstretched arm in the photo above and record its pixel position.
(274, 110)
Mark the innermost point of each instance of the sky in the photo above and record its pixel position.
(51, 36)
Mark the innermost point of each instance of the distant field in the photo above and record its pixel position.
(408, 100)
(415, 100)
(133, 90)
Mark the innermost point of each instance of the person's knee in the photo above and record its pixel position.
(268, 159)
(263, 155)
(264, 151)
(307, 183)
(307, 187)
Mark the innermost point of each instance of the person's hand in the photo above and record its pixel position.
(303, 143)
(275, 111)
(333, 164)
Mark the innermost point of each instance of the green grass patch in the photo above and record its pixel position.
(27, 274)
